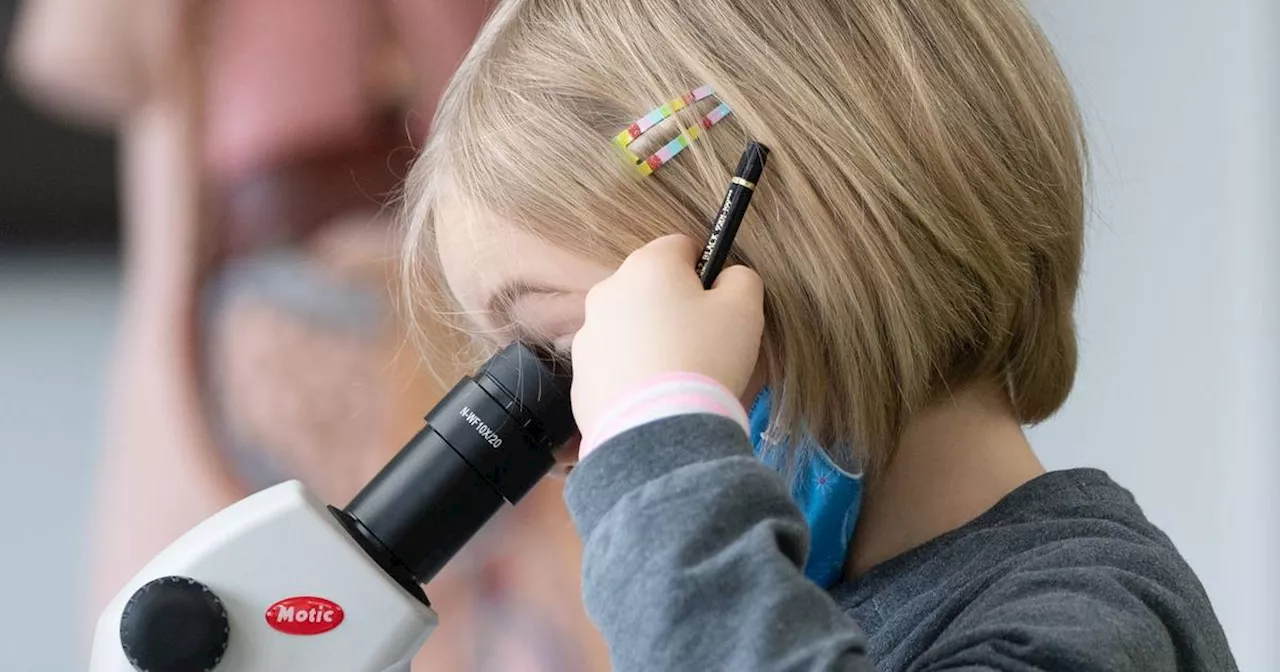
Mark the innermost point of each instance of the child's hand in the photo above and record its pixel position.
(652, 317)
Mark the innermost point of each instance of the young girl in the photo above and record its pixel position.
(820, 462)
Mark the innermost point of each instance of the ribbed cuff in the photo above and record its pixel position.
(665, 396)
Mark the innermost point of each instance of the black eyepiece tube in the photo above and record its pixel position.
(489, 440)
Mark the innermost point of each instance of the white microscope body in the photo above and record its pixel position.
(280, 582)
(297, 591)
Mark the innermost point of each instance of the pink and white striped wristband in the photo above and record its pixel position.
(665, 396)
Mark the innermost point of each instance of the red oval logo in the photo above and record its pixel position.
(304, 615)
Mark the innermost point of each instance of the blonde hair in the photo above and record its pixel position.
(920, 224)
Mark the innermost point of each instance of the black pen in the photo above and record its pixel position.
(725, 226)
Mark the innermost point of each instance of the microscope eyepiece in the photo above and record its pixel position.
(540, 383)
(488, 441)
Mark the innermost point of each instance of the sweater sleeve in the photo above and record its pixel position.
(693, 556)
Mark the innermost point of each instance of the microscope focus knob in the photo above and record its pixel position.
(174, 624)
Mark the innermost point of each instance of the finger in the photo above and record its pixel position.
(574, 349)
(674, 249)
(740, 283)
(665, 260)
(597, 295)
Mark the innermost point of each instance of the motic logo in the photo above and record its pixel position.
(304, 615)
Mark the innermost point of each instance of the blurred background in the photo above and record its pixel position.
(1178, 395)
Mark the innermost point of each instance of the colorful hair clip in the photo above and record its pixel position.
(669, 151)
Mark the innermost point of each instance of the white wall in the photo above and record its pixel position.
(56, 321)
(1177, 396)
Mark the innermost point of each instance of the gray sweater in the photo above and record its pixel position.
(694, 550)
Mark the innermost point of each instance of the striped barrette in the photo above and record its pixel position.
(669, 151)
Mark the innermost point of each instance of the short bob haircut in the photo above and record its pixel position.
(920, 225)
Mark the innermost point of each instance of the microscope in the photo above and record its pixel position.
(280, 581)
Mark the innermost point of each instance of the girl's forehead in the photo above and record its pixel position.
(483, 256)
(475, 253)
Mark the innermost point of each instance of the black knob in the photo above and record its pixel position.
(174, 624)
